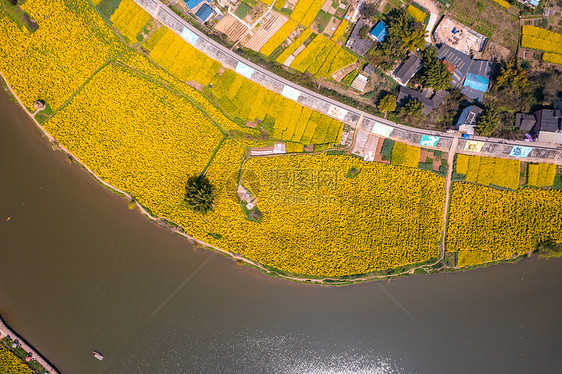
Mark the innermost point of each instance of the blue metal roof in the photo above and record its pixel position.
(534, 2)
(476, 82)
(379, 31)
(192, 3)
(204, 12)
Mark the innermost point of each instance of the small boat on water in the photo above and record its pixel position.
(98, 355)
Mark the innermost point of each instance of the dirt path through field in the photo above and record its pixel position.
(448, 182)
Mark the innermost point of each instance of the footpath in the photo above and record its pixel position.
(5, 331)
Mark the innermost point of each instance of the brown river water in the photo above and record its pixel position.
(80, 271)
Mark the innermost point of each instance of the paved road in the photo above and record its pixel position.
(321, 103)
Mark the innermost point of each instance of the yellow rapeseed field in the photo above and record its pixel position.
(129, 19)
(137, 136)
(489, 171)
(71, 43)
(11, 364)
(487, 224)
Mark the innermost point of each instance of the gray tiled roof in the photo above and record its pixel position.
(428, 103)
(525, 122)
(407, 70)
(355, 43)
(547, 120)
(461, 62)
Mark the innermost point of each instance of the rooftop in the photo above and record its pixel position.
(355, 43)
(204, 12)
(458, 60)
(379, 32)
(468, 116)
(192, 3)
(407, 70)
(429, 103)
(525, 122)
(459, 36)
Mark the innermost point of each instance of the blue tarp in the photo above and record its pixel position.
(204, 12)
(476, 82)
(192, 3)
(379, 31)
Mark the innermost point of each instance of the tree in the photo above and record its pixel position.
(512, 78)
(369, 10)
(364, 32)
(435, 74)
(199, 194)
(387, 104)
(488, 121)
(413, 108)
(414, 39)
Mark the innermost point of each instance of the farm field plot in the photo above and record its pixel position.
(181, 59)
(12, 364)
(321, 223)
(231, 27)
(306, 10)
(136, 135)
(487, 224)
(543, 40)
(489, 171)
(266, 31)
(278, 37)
(129, 19)
(241, 98)
(54, 68)
(541, 175)
(294, 45)
(322, 57)
(489, 19)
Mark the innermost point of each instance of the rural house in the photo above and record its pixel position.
(545, 125)
(472, 76)
(379, 32)
(355, 43)
(204, 13)
(191, 4)
(467, 119)
(429, 101)
(525, 122)
(406, 71)
(549, 124)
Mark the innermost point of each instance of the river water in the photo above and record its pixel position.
(80, 271)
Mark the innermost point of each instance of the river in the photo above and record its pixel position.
(80, 271)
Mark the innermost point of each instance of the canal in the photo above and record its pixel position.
(81, 271)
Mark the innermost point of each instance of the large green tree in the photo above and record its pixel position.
(512, 78)
(387, 104)
(435, 74)
(488, 121)
(413, 108)
(199, 194)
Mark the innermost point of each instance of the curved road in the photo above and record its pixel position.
(493, 146)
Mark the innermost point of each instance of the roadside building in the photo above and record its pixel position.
(549, 123)
(191, 4)
(407, 69)
(355, 43)
(467, 119)
(204, 13)
(472, 76)
(360, 82)
(429, 101)
(545, 125)
(379, 32)
(525, 122)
